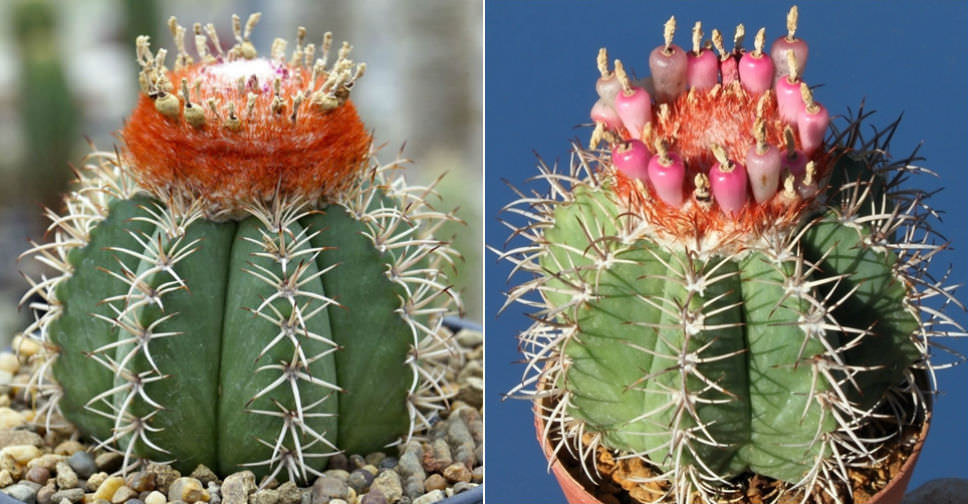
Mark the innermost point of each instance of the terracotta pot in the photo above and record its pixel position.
(576, 493)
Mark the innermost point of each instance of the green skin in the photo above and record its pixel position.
(211, 363)
(625, 376)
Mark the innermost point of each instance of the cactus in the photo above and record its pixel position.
(720, 286)
(242, 284)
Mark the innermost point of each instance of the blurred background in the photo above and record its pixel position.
(68, 73)
(903, 57)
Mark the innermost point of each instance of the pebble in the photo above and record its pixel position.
(374, 496)
(430, 497)
(95, 480)
(48, 461)
(155, 497)
(463, 487)
(339, 461)
(134, 501)
(204, 474)
(459, 438)
(457, 472)
(477, 475)
(45, 495)
(289, 493)
(109, 461)
(9, 362)
(237, 487)
(357, 461)
(411, 468)
(123, 494)
(266, 496)
(440, 456)
(337, 501)
(83, 464)
(25, 491)
(375, 457)
(6, 479)
(11, 437)
(326, 488)
(472, 391)
(107, 488)
(22, 453)
(71, 494)
(164, 476)
(38, 474)
(68, 447)
(388, 483)
(141, 481)
(371, 469)
(187, 489)
(339, 474)
(435, 482)
(388, 463)
(360, 480)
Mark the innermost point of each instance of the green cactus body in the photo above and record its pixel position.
(260, 330)
(720, 290)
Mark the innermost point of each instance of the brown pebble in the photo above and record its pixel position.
(108, 461)
(68, 447)
(204, 474)
(187, 489)
(457, 472)
(435, 482)
(44, 494)
(38, 475)
(477, 475)
(164, 476)
(141, 481)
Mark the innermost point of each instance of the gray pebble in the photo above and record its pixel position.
(411, 468)
(289, 493)
(441, 456)
(360, 480)
(25, 491)
(374, 496)
(204, 474)
(83, 464)
(134, 501)
(388, 483)
(339, 474)
(237, 487)
(265, 496)
(461, 442)
(388, 463)
(326, 488)
(71, 494)
(375, 457)
(339, 461)
(463, 487)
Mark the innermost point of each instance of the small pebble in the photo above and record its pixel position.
(141, 481)
(325, 488)
(164, 476)
(457, 472)
(123, 494)
(204, 474)
(339, 461)
(66, 477)
(360, 480)
(266, 496)
(155, 497)
(70, 494)
(107, 488)
(95, 481)
(388, 483)
(463, 487)
(477, 475)
(435, 482)
(47, 461)
(9, 362)
(289, 493)
(25, 491)
(109, 461)
(430, 497)
(357, 461)
(22, 453)
(375, 457)
(187, 489)
(237, 487)
(11, 437)
(83, 464)
(6, 479)
(371, 469)
(339, 474)
(134, 501)
(388, 463)
(38, 474)
(68, 447)
(45, 495)
(374, 496)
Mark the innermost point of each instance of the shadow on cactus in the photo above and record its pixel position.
(242, 284)
(722, 287)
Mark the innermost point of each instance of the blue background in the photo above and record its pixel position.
(539, 77)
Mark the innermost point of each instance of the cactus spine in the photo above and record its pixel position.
(242, 284)
(720, 290)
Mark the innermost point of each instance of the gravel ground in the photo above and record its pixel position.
(40, 466)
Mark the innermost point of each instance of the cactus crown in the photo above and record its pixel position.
(721, 286)
(242, 284)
